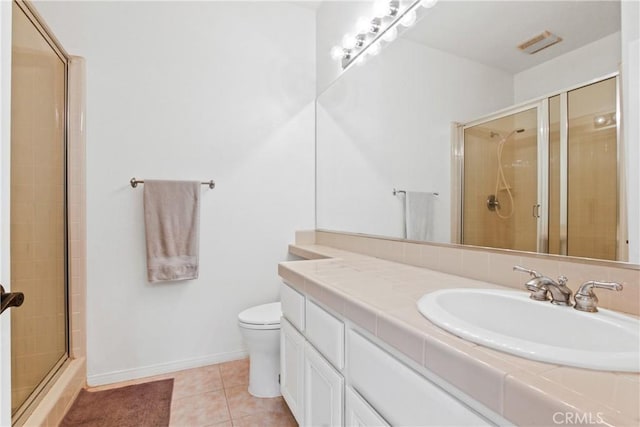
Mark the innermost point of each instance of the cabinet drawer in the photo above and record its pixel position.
(292, 303)
(398, 393)
(326, 333)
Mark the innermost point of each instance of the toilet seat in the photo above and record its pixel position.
(265, 316)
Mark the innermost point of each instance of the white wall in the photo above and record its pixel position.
(584, 64)
(631, 113)
(387, 124)
(198, 90)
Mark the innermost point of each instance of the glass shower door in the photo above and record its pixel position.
(500, 185)
(38, 208)
(592, 178)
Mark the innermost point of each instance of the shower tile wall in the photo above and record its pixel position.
(38, 331)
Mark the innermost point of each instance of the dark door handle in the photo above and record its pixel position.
(10, 299)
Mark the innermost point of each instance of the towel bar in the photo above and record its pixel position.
(134, 183)
(396, 192)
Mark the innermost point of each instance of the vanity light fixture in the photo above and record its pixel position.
(371, 32)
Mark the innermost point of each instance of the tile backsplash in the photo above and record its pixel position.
(491, 265)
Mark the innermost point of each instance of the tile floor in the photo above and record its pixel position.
(217, 395)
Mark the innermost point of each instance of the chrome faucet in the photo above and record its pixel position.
(538, 293)
(542, 286)
(586, 299)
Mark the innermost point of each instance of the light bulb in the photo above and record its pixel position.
(409, 19)
(337, 52)
(374, 49)
(363, 26)
(390, 35)
(349, 41)
(381, 8)
(427, 4)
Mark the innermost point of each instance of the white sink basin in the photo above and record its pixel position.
(511, 322)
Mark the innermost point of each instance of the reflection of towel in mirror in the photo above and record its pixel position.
(419, 211)
(172, 228)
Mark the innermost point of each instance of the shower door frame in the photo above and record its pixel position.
(457, 151)
(542, 168)
(25, 409)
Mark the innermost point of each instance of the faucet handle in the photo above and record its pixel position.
(538, 292)
(586, 299)
(533, 273)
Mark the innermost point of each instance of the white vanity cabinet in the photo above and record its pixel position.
(311, 357)
(400, 394)
(323, 391)
(292, 345)
(329, 379)
(359, 413)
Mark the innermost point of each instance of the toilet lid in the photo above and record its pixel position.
(265, 314)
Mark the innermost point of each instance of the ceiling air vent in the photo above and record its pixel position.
(539, 42)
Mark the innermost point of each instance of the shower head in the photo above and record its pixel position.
(513, 132)
(493, 134)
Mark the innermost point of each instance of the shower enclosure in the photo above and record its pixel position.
(39, 328)
(544, 177)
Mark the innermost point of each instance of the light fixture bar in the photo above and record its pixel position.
(350, 58)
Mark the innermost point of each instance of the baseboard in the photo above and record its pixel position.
(163, 368)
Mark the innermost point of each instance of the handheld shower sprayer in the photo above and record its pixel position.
(492, 202)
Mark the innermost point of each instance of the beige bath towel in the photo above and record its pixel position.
(172, 227)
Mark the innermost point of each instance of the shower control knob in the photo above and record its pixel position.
(492, 202)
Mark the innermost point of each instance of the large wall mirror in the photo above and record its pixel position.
(453, 134)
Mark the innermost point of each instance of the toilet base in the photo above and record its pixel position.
(264, 362)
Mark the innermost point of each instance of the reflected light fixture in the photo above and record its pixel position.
(381, 27)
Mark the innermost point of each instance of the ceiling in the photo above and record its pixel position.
(490, 31)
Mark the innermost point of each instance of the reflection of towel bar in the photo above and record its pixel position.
(396, 192)
(134, 183)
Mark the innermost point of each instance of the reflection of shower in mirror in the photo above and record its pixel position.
(493, 203)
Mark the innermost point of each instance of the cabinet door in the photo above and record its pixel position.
(323, 391)
(358, 413)
(292, 368)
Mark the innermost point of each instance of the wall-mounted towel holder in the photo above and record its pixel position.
(396, 192)
(134, 183)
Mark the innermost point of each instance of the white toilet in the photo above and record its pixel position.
(260, 326)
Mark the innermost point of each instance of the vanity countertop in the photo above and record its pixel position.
(380, 296)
